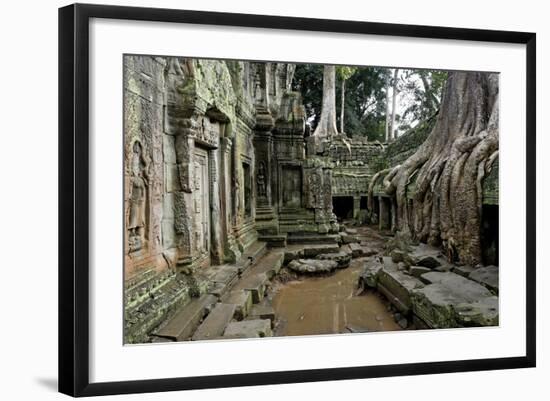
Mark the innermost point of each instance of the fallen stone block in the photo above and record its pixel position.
(349, 239)
(342, 258)
(486, 276)
(397, 287)
(186, 320)
(417, 271)
(262, 312)
(242, 300)
(312, 266)
(356, 250)
(484, 312)
(437, 303)
(464, 271)
(428, 261)
(369, 276)
(214, 325)
(248, 329)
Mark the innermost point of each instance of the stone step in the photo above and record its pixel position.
(248, 329)
(307, 251)
(155, 307)
(187, 319)
(270, 264)
(312, 238)
(223, 280)
(214, 325)
(274, 240)
(255, 251)
(256, 283)
(241, 299)
(262, 312)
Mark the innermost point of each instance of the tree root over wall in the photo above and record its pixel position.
(449, 168)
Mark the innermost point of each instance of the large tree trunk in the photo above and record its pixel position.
(449, 168)
(393, 134)
(327, 123)
(342, 106)
(388, 114)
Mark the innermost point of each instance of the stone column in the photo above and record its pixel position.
(356, 206)
(215, 208)
(384, 213)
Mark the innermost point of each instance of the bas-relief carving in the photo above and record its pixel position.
(137, 200)
(261, 180)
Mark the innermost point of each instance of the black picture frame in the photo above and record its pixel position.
(74, 194)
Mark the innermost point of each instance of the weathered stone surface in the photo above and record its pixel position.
(487, 276)
(436, 303)
(256, 284)
(248, 329)
(428, 261)
(359, 251)
(242, 301)
(417, 271)
(214, 325)
(270, 264)
(397, 287)
(342, 258)
(484, 312)
(397, 255)
(349, 239)
(184, 323)
(369, 276)
(262, 312)
(464, 271)
(312, 266)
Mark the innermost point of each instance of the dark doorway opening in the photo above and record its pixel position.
(342, 206)
(489, 234)
(363, 205)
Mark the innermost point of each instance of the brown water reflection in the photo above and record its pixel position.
(328, 305)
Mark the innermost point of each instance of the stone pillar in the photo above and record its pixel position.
(216, 250)
(384, 222)
(356, 206)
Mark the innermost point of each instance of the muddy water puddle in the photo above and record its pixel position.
(329, 305)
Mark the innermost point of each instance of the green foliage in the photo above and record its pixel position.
(365, 103)
(365, 96)
(343, 73)
(423, 89)
(308, 80)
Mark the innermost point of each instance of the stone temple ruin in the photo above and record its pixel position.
(224, 185)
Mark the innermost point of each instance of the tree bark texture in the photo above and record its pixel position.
(327, 123)
(393, 134)
(448, 169)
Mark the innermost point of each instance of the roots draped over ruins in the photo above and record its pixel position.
(448, 169)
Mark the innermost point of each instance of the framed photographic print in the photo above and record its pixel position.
(250, 199)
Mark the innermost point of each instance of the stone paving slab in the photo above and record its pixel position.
(450, 300)
(262, 312)
(486, 276)
(185, 321)
(256, 284)
(270, 264)
(242, 300)
(214, 325)
(248, 329)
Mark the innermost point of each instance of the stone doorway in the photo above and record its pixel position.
(201, 200)
(489, 234)
(342, 207)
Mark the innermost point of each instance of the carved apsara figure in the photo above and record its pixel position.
(137, 201)
(260, 179)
